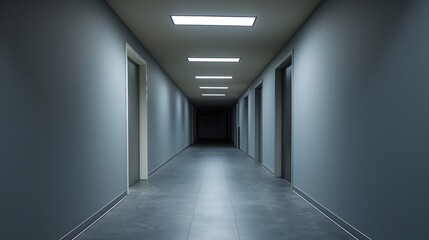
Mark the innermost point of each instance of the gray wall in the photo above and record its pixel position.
(62, 104)
(169, 117)
(360, 113)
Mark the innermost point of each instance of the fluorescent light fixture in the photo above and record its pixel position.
(213, 87)
(213, 94)
(213, 77)
(214, 21)
(214, 60)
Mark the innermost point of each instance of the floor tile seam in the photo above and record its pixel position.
(223, 185)
(232, 205)
(196, 203)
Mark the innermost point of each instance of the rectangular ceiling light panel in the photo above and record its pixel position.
(228, 60)
(214, 21)
(213, 87)
(213, 94)
(213, 77)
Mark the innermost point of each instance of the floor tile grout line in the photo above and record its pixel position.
(196, 202)
(232, 205)
(219, 173)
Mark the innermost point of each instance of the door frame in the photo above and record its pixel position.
(143, 158)
(279, 112)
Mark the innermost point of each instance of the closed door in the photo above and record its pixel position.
(133, 123)
(286, 123)
(258, 124)
(245, 128)
(237, 125)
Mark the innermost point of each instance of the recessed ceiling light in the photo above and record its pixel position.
(213, 94)
(213, 87)
(214, 59)
(213, 77)
(214, 21)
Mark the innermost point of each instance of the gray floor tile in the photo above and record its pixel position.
(215, 228)
(213, 192)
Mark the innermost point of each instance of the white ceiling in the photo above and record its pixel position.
(170, 45)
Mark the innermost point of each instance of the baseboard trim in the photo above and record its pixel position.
(153, 172)
(332, 216)
(268, 169)
(77, 231)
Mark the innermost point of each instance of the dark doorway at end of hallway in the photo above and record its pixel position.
(214, 125)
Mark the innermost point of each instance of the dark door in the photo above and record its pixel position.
(133, 123)
(237, 123)
(286, 123)
(258, 123)
(245, 128)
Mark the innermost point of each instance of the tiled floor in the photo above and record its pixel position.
(213, 192)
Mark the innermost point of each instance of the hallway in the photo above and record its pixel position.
(213, 192)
